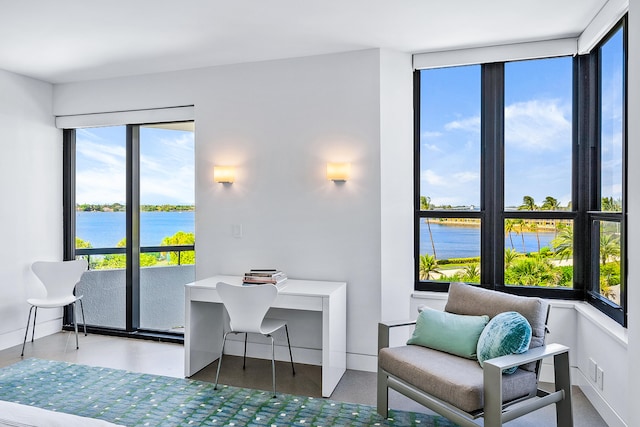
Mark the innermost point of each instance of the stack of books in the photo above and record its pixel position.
(261, 277)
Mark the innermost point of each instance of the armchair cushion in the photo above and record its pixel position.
(507, 333)
(451, 378)
(454, 333)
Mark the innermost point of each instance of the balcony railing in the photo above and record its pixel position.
(161, 289)
(100, 252)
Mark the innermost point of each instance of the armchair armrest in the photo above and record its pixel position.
(504, 362)
(385, 327)
(492, 373)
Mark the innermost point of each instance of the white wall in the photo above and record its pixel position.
(396, 184)
(31, 208)
(279, 122)
(633, 189)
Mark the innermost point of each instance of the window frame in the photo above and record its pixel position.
(132, 219)
(584, 187)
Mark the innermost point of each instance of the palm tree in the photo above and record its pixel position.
(508, 228)
(520, 223)
(609, 204)
(425, 205)
(551, 204)
(471, 273)
(533, 226)
(528, 204)
(609, 246)
(563, 243)
(509, 256)
(428, 265)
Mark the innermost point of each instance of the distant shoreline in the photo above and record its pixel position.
(118, 207)
(542, 224)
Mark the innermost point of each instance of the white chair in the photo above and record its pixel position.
(59, 279)
(247, 306)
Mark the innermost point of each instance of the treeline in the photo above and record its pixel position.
(117, 207)
(110, 261)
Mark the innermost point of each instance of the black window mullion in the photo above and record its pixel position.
(586, 182)
(69, 192)
(416, 177)
(492, 171)
(68, 204)
(133, 229)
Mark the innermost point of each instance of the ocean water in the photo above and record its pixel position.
(462, 242)
(106, 229)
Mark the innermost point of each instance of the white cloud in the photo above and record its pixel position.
(167, 170)
(538, 124)
(463, 177)
(430, 134)
(470, 124)
(431, 178)
(432, 147)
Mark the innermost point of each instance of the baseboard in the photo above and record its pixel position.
(310, 356)
(362, 362)
(608, 414)
(47, 327)
(592, 394)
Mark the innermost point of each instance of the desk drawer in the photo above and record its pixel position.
(298, 302)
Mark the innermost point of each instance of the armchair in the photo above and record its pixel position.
(458, 388)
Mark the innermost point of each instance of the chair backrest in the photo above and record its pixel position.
(246, 305)
(59, 277)
(476, 301)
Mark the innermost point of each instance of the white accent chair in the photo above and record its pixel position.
(59, 279)
(247, 306)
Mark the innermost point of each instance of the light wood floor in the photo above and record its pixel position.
(168, 359)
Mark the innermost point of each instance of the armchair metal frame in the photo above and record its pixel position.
(495, 412)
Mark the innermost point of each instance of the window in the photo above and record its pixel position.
(129, 194)
(449, 230)
(607, 206)
(538, 118)
(520, 181)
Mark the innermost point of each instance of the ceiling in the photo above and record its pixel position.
(72, 40)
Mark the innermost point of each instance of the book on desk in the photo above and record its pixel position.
(264, 276)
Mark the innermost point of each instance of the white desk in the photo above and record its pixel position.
(205, 322)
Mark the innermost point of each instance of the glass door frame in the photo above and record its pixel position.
(132, 286)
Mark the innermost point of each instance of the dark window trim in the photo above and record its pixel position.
(132, 286)
(585, 185)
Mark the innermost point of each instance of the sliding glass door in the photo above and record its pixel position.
(131, 192)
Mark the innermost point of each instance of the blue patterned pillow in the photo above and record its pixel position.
(507, 333)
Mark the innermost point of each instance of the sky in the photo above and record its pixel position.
(166, 166)
(538, 138)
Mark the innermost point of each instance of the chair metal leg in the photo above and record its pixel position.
(383, 394)
(273, 364)
(224, 340)
(33, 331)
(75, 322)
(84, 322)
(244, 358)
(26, 332)
(290, 354)
(564, 414)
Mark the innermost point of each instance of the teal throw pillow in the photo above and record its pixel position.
(507, 333)
(453, 333)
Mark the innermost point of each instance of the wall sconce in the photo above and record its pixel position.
(338, 172)
(224, 174)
